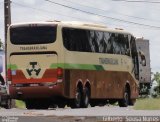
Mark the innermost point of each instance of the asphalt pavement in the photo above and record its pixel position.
(91, 114)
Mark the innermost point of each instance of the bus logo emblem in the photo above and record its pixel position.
(33, 69)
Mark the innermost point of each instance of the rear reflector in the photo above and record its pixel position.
(59, 73)
(9, 76)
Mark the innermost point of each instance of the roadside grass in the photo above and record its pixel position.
(147, 104)
(20, 104)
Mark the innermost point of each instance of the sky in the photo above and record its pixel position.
(142, 18)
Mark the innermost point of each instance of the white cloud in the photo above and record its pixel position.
(30, 2)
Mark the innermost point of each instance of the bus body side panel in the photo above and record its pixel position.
(104, 84)
(107, 80)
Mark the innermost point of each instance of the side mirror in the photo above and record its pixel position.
(143, 58)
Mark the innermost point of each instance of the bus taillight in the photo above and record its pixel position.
(9, 74)
(59, 73)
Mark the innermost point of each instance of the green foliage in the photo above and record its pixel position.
(157, 77)
(155, 91)
(20, 104)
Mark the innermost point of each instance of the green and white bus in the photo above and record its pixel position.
(71, 63)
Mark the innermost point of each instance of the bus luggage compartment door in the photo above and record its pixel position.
(33, 68)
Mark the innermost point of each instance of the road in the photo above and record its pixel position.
(79, 115)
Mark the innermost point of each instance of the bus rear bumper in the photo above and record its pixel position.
(34, 91)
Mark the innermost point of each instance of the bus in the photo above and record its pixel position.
(71, 63)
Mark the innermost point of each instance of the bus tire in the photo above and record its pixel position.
(61, 105)
(30, 104)
(77, 102)
(93, 103)
(86, 97)
(8, 104)
(125, 101)
(132, 102)
(37, 104)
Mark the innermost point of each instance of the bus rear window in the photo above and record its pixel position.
(33, 35)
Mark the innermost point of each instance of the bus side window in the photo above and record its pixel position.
(108, 42)
(95, 41)
(116, 45)
(76, 40)
(124, 44)
(86, 43)
(135, 57)
(67, 38)
(90, 36)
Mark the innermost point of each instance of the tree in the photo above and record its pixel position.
(157, 78)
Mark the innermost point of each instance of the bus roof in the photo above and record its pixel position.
(75, 24)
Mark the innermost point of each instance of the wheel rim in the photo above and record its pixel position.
(126, 98)
(86, 98)
(9, 104)
(78, 99)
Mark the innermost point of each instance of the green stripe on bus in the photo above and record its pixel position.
(12, 66)
(53, 66)
(78, 66)
(66, 66)
(99, 67)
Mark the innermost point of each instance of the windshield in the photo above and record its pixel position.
(33, 35)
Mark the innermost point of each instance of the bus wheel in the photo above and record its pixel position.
(93, 103)
(8, 104)
(61, 105)
(125, 101)
(43, 104)
(86, 97)
(37, 104)
(132, 102)
(77, 102)
(30, 104)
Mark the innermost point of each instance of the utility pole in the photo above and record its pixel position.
(7, 17)
(7, 22)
